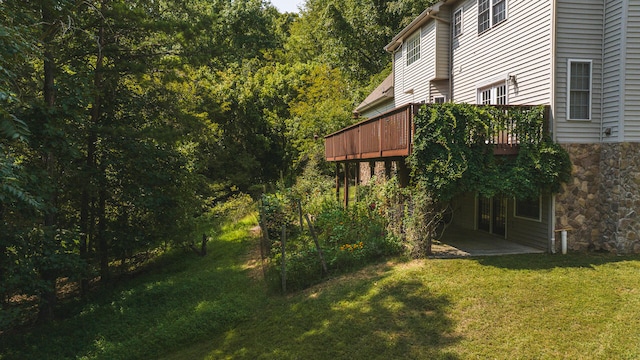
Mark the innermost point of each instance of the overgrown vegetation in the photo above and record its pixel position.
(169, 301)
(348, 238)
(186, 307)
(122, 123)
(453, 152)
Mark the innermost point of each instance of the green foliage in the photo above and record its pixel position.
(176, 299)
(453, 152)
(349, 238)
(350, 34)
(123, 124)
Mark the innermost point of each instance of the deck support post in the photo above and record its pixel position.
(357, 179)
(403, 173)
(346, 185)
(387, 169)
(337, 181)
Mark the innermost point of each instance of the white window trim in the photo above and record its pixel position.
(460, 10)
(417, 36)
(493, 87)
(443, 97)
(515, 208)
(491, 23)
(569, 62)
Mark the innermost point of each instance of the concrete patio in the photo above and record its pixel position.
(466, 243)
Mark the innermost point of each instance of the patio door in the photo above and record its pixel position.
(499, 216)
(492, 215)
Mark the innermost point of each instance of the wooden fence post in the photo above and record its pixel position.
(315, 240)
(264, 242)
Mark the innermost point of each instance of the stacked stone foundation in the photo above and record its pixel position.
(599, 206)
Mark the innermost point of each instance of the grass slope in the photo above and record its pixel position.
(179, 300)
(509, 307)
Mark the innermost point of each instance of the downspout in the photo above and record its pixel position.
(604, 25)
(623, 69)
(552, 214)
(451, 62)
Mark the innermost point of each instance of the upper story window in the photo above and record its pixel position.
(579, 90)
(457, 23)
(490, 13)
(413, 49)
(493, 95)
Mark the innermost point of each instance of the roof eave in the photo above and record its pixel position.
(415, 24)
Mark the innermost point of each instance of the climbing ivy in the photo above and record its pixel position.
(453, 153)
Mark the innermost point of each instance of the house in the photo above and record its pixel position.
(581, 58)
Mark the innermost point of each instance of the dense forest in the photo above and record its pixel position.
(122, 121)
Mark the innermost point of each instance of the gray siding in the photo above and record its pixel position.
(439, 88)
(412, 81)
(379, 109)
(521, 46)
(464, 208)
(632, 73)
(442, 46)
(526, 231)
(612, 68)
(578, 36)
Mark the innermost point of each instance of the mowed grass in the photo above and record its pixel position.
(578, 306)
(510, 307)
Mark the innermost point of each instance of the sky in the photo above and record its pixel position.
(287, 5)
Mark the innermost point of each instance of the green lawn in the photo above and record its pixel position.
(512, 307)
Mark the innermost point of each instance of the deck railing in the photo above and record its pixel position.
(384, 136)
(391, 135)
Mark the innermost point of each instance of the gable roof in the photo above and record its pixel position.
(383, 92)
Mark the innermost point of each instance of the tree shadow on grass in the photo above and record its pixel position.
(372, 318)
(552, 261)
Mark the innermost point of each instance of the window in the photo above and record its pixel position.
(528, 208)
(491, 13)
(457, 23)
(439, 100)
(413, 49)
(493, 95)
(579, 103)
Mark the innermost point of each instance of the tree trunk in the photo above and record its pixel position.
(103, 244)
(48, 297)
(3, 253)
(87, 218)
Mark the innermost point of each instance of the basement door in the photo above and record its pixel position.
(492, 215)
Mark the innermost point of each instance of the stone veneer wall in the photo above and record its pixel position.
(379, 171)
(600, 204)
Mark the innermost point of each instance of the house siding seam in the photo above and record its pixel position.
(612, 74)
(632, 73)
(443, 35)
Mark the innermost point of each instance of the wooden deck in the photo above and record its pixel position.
(390, 135)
